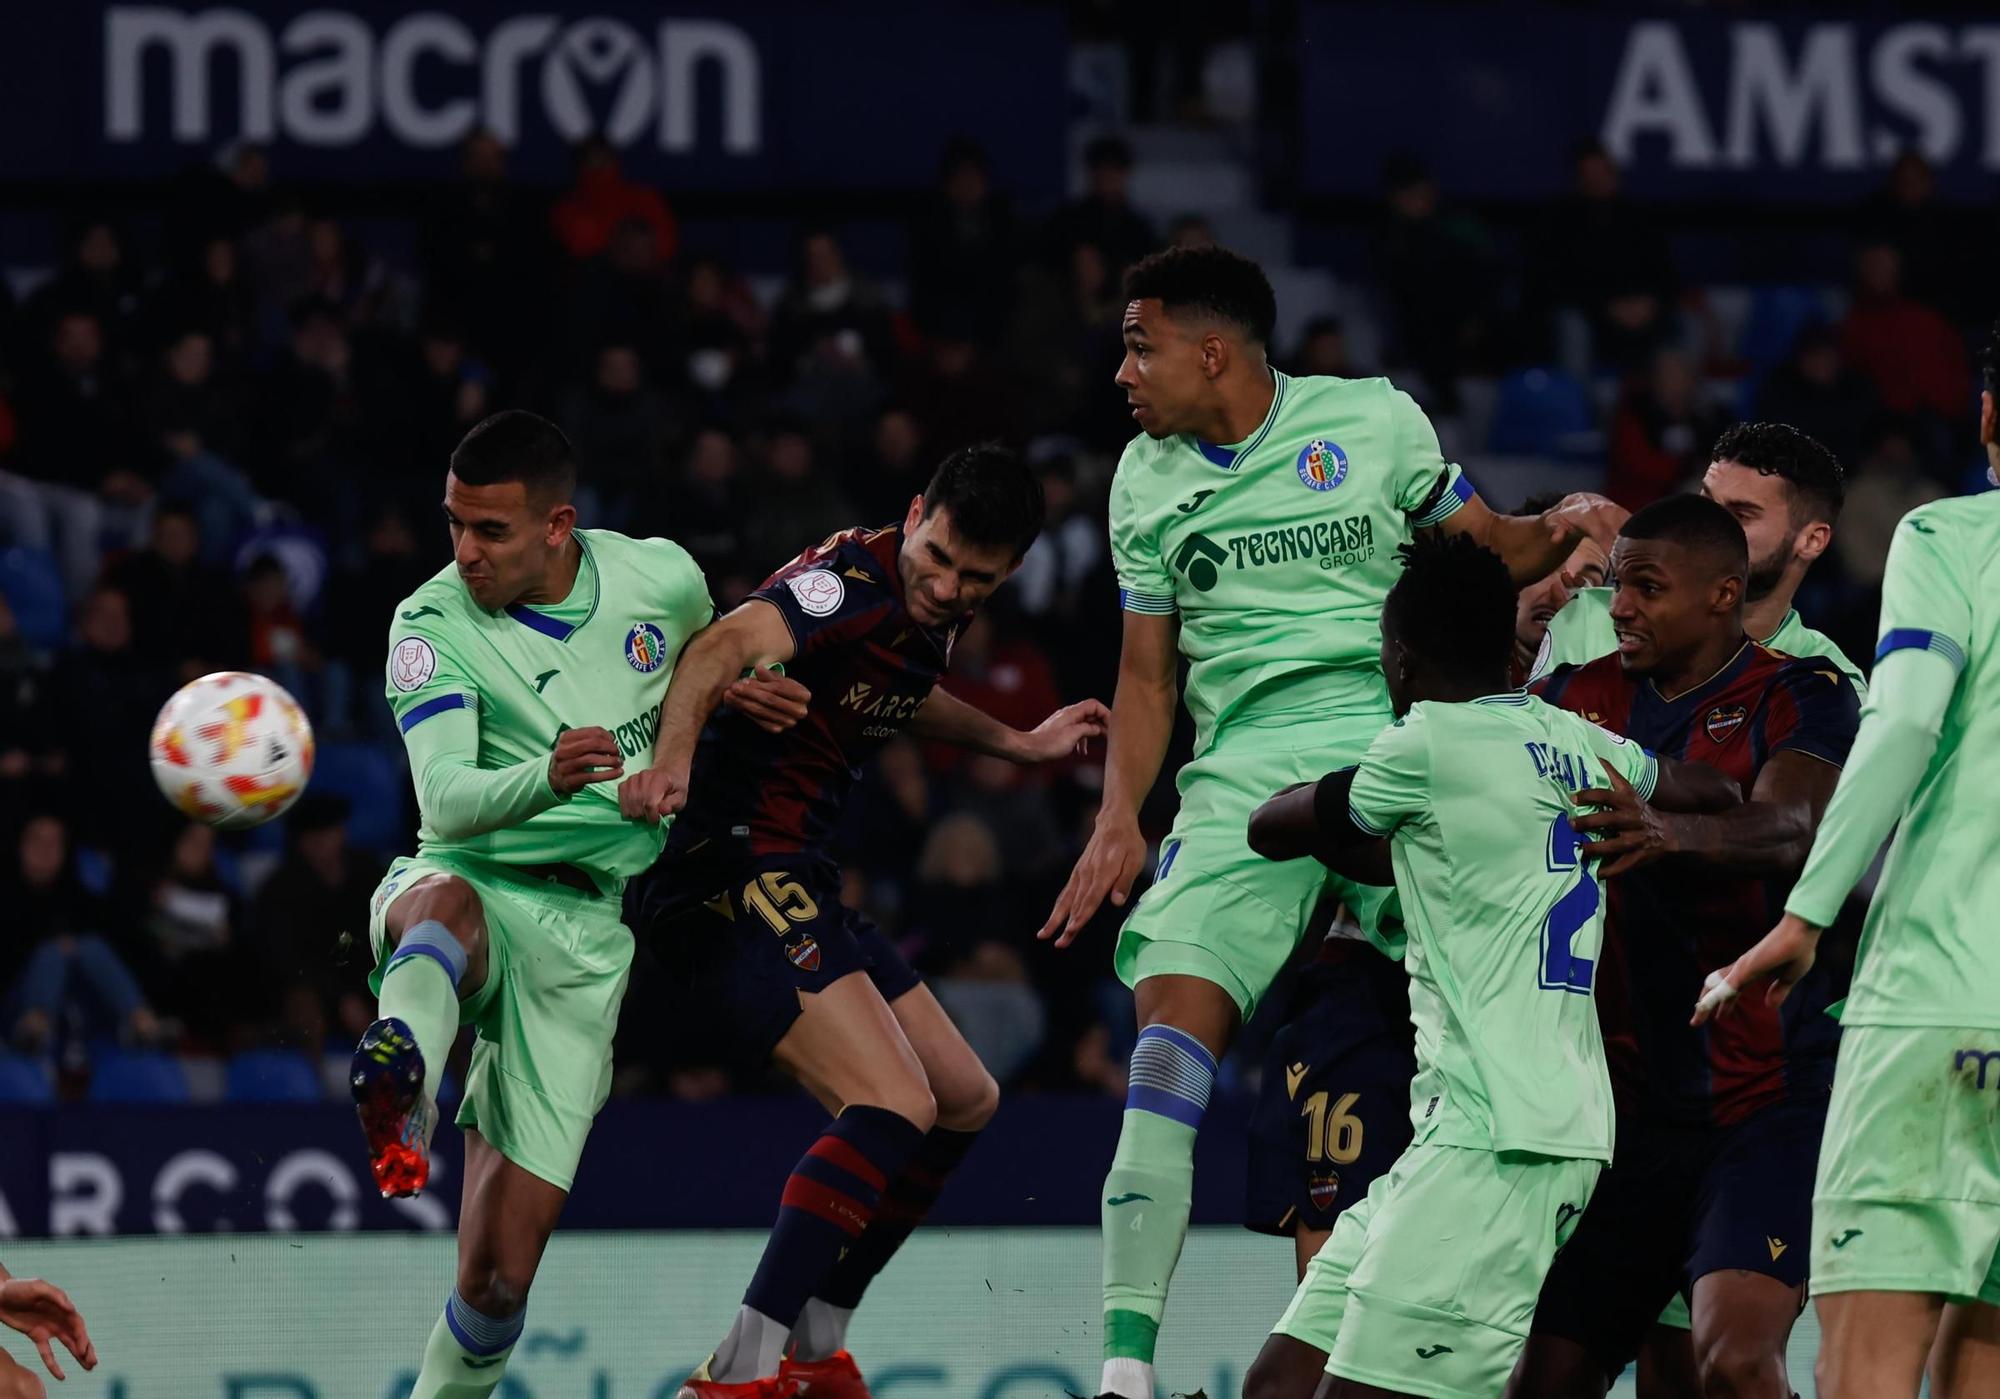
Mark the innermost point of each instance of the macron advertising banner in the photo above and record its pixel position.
(769, 97)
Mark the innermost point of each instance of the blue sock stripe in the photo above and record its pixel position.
(432, 939)
(478, 1333)
(1171, 1075)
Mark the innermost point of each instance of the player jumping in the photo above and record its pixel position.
(1906, 1209)
(1254, 526)
(524, 676)
(745, 905)
(1709, 1193)
(1427, 1285)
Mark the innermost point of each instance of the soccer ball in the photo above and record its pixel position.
(232, 750)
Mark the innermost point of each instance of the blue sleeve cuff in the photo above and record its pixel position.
(1918, 639)
(1362, 823)
(1446, 504)
(1151, 604)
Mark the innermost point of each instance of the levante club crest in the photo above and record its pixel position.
(1724, 720)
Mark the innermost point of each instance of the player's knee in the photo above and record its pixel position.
(1741, 1367)
(1283, 1369)
(915, 1103)
(494, 1291)
(969, 1104)
(449, 900)
(19, 1383)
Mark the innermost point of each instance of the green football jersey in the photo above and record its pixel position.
(1929, 951)
(482, 696)
(1582, 632)
(1505, 918)
(1278, 551)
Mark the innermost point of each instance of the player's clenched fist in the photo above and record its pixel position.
(584, 756)
(653, 795)
(1108, 865)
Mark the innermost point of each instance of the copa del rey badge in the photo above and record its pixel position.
(818, 590)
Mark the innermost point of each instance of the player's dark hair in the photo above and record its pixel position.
(517, 446)
(994, 497)
(1989, 362)
(1540, 503)
(1818, 484)
(1698, 525)
(1454, 607)
(1209, 281)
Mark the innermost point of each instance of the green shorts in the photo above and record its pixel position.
(1427, 1286)
(556, 965)
(1908, 1193)
(1216, 909)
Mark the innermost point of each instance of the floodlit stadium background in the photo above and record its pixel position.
(266, 266)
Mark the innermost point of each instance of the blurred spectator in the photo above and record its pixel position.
(1893, 479)
(965, 925)
(1908, 351)
(965, 394)
(189, 916)
(1006, 676)
(1821, 396)
(487, 256)
(1933, 241)
(360, 609)
(706, 514)
(1441, 278)
(309, 412)
(60, 961)
(1065, 346)
(279, 645)
(884, 827)
(799, 503)
(319, 892)
(1191, 231)
(31, 756)
(720, 374)
(107, 696)
(186, 617)
(830, 335)
(207, 296)
(622, 295)
(619, 426)
(1322, 350)
(189, 393)
(1051, 578)
(1661, 432)
(95, 279)
(895, 469)
(1104, 216)
(1606, 258)
(962, 249)
(601, 200)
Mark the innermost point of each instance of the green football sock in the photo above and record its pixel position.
(420, 988)
(451, 1370)
(1147, 1195)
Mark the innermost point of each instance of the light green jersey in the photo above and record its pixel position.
(1278, 551)
(481, 697)
(1582, 632)
(1505, 919)
(1930, 953)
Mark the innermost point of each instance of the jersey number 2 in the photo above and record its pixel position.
(1562, 969)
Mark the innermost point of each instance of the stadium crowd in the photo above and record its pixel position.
(222, 431)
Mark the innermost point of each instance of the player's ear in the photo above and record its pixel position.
(1812, 541)
(1728, 593)
(1214, 355)
(1989, 416)
(914, 516)
(561, 522)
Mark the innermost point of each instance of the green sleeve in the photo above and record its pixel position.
(1429, 489)
(1578, 634)
(1926, 619)
(685, 588)
(1633, 763)
(458, 798)
(1144, 584)
(1393, 782)
(436, 703)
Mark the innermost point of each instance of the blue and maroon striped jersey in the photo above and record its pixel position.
(1672, 923)
(870, 668)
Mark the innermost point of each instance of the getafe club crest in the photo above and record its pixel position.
(1724, 720)
(645, 648)
(1322, 465)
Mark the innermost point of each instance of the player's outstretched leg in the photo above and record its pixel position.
(967, 1098)
(504, 1221)
(438, 929)
(847, 1049)
(1150, 1188)
(1873, 1345)
(1965, 1358)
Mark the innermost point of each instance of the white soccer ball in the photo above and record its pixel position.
(232, 750)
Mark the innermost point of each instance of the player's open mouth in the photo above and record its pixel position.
(1630, 641)
(1542, 616)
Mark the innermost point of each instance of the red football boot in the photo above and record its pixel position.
(836, 1377)
(700, 1386)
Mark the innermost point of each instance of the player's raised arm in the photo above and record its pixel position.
(1142, 722)
(755, 634)
(947, 719)
(1534, 546)
(1311, 819)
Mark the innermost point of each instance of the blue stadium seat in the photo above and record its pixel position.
(273, 1076)
(1778, 315)
(23, 1081)
(127, 1076)
(33, 587)
(1540, 413)
(370, 776)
